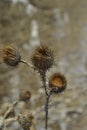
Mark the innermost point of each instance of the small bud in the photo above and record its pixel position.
(57, 83)
(25, 96)
(42, 58)
(11, 56)
(25, 121)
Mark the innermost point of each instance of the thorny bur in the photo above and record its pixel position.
(11, 55)
(42, 58)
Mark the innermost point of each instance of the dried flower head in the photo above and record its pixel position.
(57, 83)
(25, 121)
(42, 58)
(25, 96)
(11, 56)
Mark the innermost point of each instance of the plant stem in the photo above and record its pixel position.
(43, 77)
(46, 110)
(27, 63)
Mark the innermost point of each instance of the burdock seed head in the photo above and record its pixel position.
(42, 58)
(11, 56)
(25, 121)
(25, 96)
(57, 83)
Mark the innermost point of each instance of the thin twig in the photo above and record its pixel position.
(27, 63)
(8, 121)
(2, 124)
(41, 109)
(9, 110)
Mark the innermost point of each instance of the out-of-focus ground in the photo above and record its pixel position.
(62, 24)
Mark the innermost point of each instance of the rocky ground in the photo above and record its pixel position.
(63, 26)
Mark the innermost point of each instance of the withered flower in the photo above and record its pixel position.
(57, 83)
(11, 56)
(25, 121)
(25, 96)
(42, 58)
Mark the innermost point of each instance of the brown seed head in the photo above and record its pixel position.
(25, 121)
(25, 96)
(57, 83)
(42, 58)
(11, 56)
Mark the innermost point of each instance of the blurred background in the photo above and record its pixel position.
(62, 24)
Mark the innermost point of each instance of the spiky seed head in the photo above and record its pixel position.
(25, 121)
(11, 55)
(42, 58)
(57, 83)
(25, 96)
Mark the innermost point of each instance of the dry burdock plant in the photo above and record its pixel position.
(42, 61)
